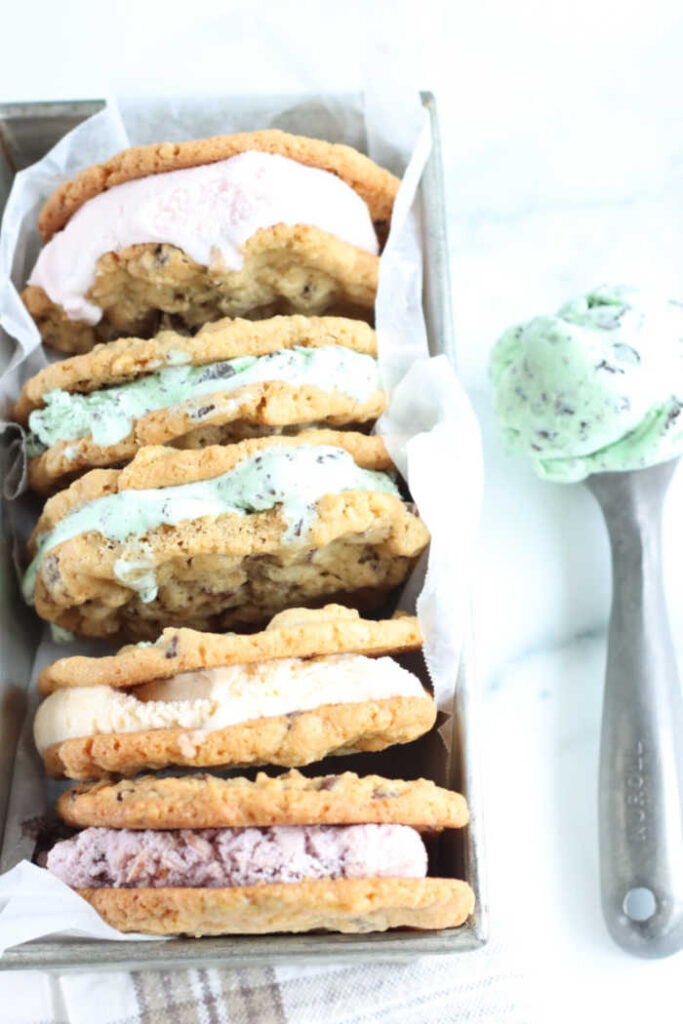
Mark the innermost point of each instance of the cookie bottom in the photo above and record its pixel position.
(234, 571)
(287, 269)
(298, 738)
(338, 905)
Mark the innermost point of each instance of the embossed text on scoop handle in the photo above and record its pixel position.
(641, 757)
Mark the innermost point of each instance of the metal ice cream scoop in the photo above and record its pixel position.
(641, 755)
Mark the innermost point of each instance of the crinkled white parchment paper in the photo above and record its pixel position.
(429, 425)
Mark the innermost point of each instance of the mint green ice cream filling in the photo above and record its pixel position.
(294, 478)
(596, 388)
(108, 415)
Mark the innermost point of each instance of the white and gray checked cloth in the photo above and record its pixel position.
(432, 990)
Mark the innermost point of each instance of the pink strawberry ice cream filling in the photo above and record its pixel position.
(102, 857)
(208, 211)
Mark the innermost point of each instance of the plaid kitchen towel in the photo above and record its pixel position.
(464, 988)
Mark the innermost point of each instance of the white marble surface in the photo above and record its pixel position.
(564, 149)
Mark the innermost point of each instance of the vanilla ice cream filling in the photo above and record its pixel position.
(208, 212)
(210, 699)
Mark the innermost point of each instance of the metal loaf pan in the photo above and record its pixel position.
(27, 131)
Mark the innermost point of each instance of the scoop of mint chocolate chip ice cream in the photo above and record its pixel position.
(598, 387)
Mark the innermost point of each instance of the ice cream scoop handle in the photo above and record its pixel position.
(641, 757)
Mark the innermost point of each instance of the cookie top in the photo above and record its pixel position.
(376, 186)
(157, 466)
(124, 360)
(205, 801)
(296, 633)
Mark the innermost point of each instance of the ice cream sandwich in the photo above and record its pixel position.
(223, 536)
(237, 225)
(201, 855)
(232, 380)
(315, 683)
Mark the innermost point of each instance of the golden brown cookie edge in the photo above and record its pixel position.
(344, 905)
(185, 650)
(207, 801)
(376, 186)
